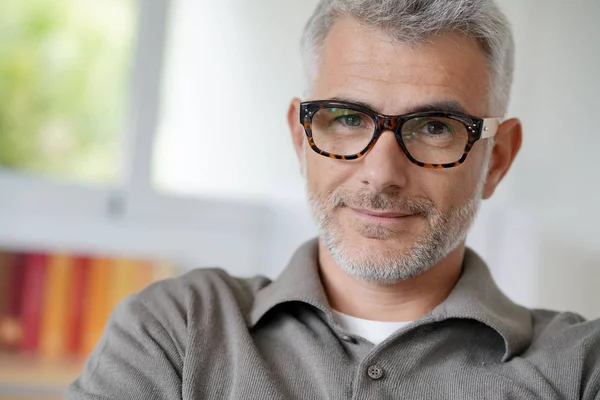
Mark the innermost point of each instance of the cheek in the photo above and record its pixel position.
(453, 187)
(324, 175)
(449, 189)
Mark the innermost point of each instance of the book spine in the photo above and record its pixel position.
(54, 324)
(14, 304)
(97, 303)
(10, 328)
(163, 269)
(143, 276)
(6, 271)
(79, 285)
(122, 280)
(33, 297)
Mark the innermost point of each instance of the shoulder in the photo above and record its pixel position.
(202, 283)
(174, 305)
(198, 289)
(565, 330)
(555, 325)
(568, 341)
(146, 341)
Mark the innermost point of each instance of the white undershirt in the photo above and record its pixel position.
(374, 331)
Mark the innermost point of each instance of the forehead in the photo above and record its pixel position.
(364, 64)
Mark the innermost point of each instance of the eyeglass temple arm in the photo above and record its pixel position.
(490, 127)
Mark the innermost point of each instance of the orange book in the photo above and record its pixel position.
(96, 304)
(163, 270)
(53, 332)
(123, 280)
(78, 287)
(143, 276)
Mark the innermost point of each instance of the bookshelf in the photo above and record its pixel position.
(53, 310)
(33, 377)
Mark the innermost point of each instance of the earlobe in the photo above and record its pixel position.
(507, 144)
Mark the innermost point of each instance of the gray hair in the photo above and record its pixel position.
(413, 22)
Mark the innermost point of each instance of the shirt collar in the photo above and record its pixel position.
(475, 296)
(300, 281)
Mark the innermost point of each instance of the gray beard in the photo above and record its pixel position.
(443, 234)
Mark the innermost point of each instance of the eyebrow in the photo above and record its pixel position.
(451, 106)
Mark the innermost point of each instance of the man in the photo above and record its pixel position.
(399, 139)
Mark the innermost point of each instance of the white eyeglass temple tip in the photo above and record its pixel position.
(490, 127)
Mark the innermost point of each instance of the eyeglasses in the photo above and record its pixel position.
(430, 139)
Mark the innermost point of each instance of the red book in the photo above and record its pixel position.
(10, 332)
(6, 271)
(77, 289)
(33, 298)
(11, 327)
(14, 304)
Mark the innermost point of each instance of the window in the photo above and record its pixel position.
(122, 213)
(64, 87)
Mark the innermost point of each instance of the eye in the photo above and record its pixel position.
(437, 128)
(433, 130)
(342, 120)
(350, 120)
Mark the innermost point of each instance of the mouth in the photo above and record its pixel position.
(382, 216)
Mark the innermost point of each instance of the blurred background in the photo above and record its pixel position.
(129, 142)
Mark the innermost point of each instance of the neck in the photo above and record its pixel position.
(404, 301)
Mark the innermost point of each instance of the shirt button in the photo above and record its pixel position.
(347, 338)
(375, 372)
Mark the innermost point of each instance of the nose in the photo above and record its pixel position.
(385, 166)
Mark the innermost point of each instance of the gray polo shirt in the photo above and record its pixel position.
(208, 335)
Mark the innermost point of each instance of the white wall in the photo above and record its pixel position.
(556, 181)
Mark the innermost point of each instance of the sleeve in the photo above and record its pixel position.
(592, 364)
(597, 385)
(136, 358)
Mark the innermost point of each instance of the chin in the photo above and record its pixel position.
(386, 260)
(372, 247)
(380, 238)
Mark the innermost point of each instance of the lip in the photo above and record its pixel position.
(381, 216)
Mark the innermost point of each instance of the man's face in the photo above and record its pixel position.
(383, 218)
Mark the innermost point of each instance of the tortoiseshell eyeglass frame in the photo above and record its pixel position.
(477, 128)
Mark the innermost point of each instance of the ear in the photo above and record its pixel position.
(507, 144)
(297, 130)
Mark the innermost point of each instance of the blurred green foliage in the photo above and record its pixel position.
(64, 84)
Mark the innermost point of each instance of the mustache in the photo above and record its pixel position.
(391, 201)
